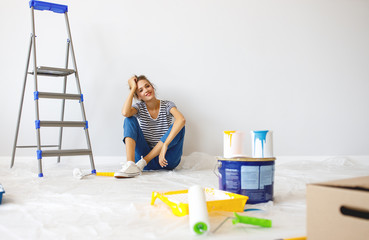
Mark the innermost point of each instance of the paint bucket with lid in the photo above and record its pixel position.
(252, 177)
(262, 144)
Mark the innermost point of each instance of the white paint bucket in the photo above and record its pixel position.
(233, 142)
(262, 144)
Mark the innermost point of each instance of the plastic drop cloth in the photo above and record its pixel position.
(59, 206)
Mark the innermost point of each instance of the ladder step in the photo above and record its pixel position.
(56, 8)
(61, 124)
(35, 146)
(66, 152)
(54, 72)
(58, 95)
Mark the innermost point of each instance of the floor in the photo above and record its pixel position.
(60, 206)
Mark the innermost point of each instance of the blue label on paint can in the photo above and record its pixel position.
(250, 177)
(266, 175)
(232, 177)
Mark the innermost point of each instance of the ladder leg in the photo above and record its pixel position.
(37, 115)
(21, 105)
(39, 158)
(93, 170)
(63, 101)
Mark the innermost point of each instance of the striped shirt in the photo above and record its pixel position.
(154, 129)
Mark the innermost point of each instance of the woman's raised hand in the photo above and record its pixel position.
(133, 82)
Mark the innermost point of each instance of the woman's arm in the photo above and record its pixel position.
(161, 148)
(127, 109)
(179, 123)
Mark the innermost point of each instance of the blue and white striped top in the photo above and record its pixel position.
(154, 129)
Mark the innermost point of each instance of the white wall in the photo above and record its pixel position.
(299, 68)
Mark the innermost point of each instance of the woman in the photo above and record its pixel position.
(152, 141)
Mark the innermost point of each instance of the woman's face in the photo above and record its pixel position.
(145, 91)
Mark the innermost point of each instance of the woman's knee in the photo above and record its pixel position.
(131, 128)
(173, 164)
(179, 138)
(130, 122)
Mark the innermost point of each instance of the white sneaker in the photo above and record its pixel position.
(129, 169)
(141, 164)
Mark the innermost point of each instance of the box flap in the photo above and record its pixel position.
(359, 183)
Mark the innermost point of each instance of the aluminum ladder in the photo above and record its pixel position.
(53, 72)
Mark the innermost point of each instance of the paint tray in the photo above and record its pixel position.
(216, 200)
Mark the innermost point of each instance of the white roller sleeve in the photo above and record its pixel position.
(198, 212)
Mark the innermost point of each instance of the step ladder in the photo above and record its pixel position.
(53, 72)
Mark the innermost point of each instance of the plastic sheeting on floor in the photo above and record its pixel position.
(59, 206)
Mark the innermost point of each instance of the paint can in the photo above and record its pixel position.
(252, 177)
(233, 142)
(262, 144)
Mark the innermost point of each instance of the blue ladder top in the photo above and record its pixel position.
(56, 8)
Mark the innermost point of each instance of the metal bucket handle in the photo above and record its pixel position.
(216, 169)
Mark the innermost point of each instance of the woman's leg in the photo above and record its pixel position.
(136, 145)
(174, 152)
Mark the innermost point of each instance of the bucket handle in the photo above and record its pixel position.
(216, 169)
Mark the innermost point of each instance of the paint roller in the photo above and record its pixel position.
(77, 173)
(262, 222)
(198, 212)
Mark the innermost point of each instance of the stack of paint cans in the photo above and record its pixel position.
(249, 176)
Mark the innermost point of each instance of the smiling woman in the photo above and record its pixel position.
(152, 140)
(141, 85)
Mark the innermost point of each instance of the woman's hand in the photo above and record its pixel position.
(133, 82)
(162, 161)
(127, 109)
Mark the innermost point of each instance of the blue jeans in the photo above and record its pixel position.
(173, 156)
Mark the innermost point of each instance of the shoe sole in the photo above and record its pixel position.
(127, 175)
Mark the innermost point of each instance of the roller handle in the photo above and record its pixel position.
(105, 174)
(252, 221)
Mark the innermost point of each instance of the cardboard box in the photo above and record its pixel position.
(338, 209)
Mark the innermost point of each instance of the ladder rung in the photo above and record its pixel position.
(55, 72)
(60, 95)
(63, 124)
(67, 152)
(35, 146)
